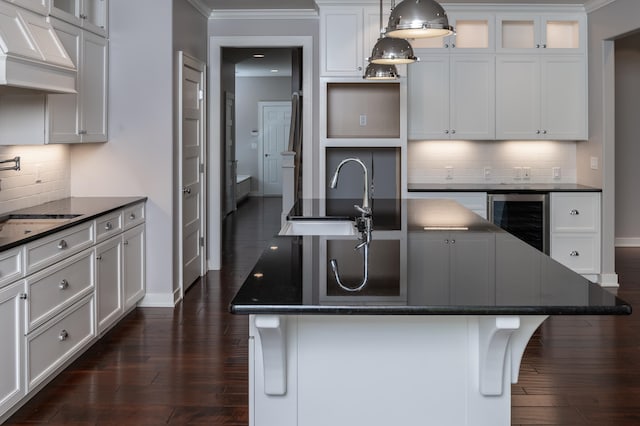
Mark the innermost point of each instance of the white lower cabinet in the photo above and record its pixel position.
(53, 344)
(133, 242)
(109, 282)
(12, 386)
(575, 231)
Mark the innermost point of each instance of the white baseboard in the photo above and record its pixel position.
(157, 300)
(627, 242)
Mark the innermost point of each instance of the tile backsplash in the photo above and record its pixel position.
(43, 176)
(491, 162)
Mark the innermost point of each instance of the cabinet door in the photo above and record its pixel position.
(472, 112)
(428, 268)
(517, 97)
(428, 95)
(94, 14)
(62, 109)
(109, 282)
(341, 38)
(472, 268)
(518, 33)
(38, 6)
(564, 97)
(134, 265)
(12, 386)
(563, 34)
(93, 88)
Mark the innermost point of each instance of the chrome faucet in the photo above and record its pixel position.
(366, 201)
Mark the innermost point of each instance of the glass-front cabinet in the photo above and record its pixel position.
(526, 33)
(474, 32)
(88, 14)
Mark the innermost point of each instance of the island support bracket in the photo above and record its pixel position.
(502, 343)
(272, 330)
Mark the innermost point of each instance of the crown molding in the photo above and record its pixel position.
(591, 5)
(200, 7)
(264, 14)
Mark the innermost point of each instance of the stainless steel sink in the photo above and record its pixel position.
(15, 226)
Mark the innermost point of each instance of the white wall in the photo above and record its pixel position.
(605, 24)
(43, 176)
(250, 91)
(137, 160)
(627, 172)
(427, 161)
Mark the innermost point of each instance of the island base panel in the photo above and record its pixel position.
(381, 370)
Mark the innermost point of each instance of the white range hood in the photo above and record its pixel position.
(31, 54)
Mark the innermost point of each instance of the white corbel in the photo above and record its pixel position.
(494, 335)
(272, 330)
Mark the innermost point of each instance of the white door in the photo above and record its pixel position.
(230, 153)
(191, 134)
(275, 122)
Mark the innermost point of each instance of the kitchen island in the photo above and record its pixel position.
(435, 334)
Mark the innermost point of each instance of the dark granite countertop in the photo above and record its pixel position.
(497, 188)
(442, 260)
(81, 209)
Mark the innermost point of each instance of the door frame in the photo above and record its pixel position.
(234, 172)
(261, 106)
(182, 60)
(215, 116)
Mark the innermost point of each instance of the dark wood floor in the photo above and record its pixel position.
(189, 365)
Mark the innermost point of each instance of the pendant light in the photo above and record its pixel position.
(418, 19)
(391, 50)
(381, 72)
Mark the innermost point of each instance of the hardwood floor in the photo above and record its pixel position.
(189, 365)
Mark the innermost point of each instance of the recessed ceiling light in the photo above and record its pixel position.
(274, 70)
(258, 55)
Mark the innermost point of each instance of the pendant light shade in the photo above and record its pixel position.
(381, 72)
(418, 19)
(392, 51)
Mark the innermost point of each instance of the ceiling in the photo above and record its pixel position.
(310, 4)
(278, 59)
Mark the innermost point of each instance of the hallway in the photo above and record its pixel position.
(189, 365)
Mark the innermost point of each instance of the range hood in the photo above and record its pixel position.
(31, 54)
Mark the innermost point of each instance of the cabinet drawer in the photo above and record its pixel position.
(52, 345)
(581, 253)
(134, 215)
(575, 212)
(46, 251)
(108, 225)
(57, 287)
(11, 265)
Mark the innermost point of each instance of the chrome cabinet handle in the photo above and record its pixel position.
(544, 132)
(537, 132)
(108, 226)
(62, 245)
(544, 46)
(132, 216)
(82, 132)
(126, 242)
(446, 132)
(537, 46)
(446, 45)
(453, 132)
(64, 335)
(574, 212)
(453, 45)
(574, 254)
(64, 284)
(186, 190)
(98, 257)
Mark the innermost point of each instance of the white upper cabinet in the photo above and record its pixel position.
(347, 36)
(523, 33)
(474, 32)
(541, 97)
(91, 15)
(452, 97)
(38, 6)
(81, 117)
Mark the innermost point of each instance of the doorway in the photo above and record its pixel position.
(275, 121)
(222, 76)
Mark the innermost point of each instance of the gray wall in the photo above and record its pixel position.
(605, 24)
(627, 172)
(250, 91)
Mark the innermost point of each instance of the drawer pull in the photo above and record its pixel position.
(574, 254)
(99, 257)
(126, 242)
(132, 216)
(64, 335)
(108, 226)
(62, 245)
(574, 212)
(64, 284)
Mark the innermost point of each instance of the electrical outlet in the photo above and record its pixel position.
(449, 172)
(594, 163)
(526, 173)
(556, 173)
(363, 120)
(487, 172)
(517, 172)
